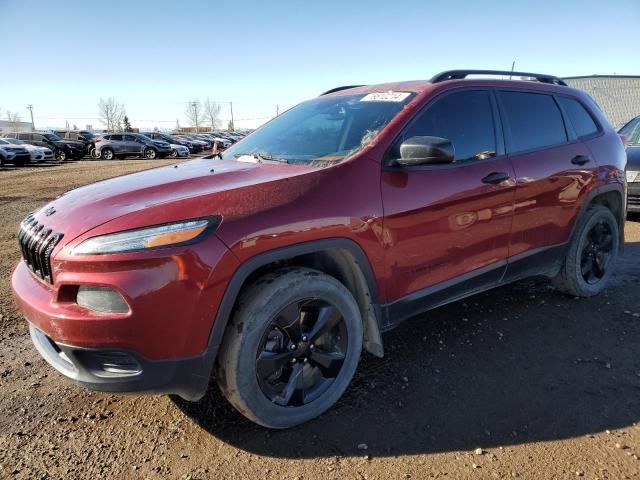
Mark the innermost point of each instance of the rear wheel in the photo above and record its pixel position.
(150, 153)
(106, 154)
(591, 257)
(174, 153)
(291, 348)
(60, 155)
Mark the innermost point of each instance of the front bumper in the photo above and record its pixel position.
(118, 370)
(633, 197)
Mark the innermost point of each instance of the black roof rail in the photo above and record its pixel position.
(337, 89)
(460, 74)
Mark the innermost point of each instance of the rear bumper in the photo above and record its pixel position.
(118, 370)
(633, 197)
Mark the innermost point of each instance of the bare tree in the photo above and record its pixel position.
(212, 112)
(111, 113)
(193, 112)
(14, 119)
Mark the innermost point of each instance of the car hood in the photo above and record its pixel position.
(193, 189)
(633, 158)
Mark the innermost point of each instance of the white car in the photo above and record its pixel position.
(179, 150)
(16, 154)
(37, 154)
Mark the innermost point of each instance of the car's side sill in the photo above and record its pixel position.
(541, 261)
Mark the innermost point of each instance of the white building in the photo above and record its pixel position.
(15, 127)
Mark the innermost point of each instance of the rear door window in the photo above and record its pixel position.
(580, 118)
(533, 120)
(465, 119)
(116, 138)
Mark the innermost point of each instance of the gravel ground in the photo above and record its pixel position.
(517, 382)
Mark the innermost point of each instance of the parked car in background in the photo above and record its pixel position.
(335, 222)
(38, 154)
(222, 141)
(205, 144)
(179, 150)
(631, 133)
(62, 149)
(11, 153)
(86, 137)
(171, 140)
(121, 145)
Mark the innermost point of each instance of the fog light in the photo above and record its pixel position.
(101, 299)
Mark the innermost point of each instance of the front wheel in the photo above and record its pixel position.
(106, 154)
(150, 153)
(60, 155)
(590, 259)
(291, 348)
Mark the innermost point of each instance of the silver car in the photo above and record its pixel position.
(121, 145)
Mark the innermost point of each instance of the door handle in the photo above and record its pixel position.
(580, 159)
(496, 177)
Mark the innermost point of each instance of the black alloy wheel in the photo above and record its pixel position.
(302, 352)
(596, 252)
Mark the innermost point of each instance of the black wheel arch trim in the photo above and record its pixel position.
(248, 267)
(588, 200)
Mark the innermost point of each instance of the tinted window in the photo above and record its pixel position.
(631, 131)
(24, 136)
(116, 138)
(581, 120)
(130, 138)
(464, 118)
(533, 119)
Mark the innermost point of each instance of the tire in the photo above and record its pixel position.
(251, 330)
(92, 153)
(106, 154)
(150, 153)
(60, 155)
(174, 153)
(592, 253)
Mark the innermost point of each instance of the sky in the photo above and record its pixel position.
(155, 56)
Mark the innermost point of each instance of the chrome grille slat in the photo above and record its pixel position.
(37, 242)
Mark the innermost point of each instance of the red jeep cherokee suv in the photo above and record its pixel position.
(274, 266)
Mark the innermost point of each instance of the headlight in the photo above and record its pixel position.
(168, 235)
(633, 176)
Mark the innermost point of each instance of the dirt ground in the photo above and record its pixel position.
(548, 387)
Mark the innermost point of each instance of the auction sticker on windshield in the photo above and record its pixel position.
(385, 97)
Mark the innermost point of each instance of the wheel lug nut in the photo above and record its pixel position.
(292, 346)
(304, 338)
(293, 360)
(305, 360)
(312, 346)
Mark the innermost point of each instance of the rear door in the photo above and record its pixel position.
(117, 143)
(449, 225)
(553, 170)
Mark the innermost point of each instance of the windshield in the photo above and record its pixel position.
(3, 142)
(52, 136)
(325, 129)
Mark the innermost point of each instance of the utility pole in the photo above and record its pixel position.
(232, 122)
(30, 107)
(513, 66)
(195, 106)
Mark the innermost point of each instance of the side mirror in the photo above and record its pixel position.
(425, 151)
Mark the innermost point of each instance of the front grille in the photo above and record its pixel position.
(36, 244)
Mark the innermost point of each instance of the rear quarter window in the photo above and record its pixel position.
(580, 118)
(533, 120)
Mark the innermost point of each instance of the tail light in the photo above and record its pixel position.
(98, 140)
